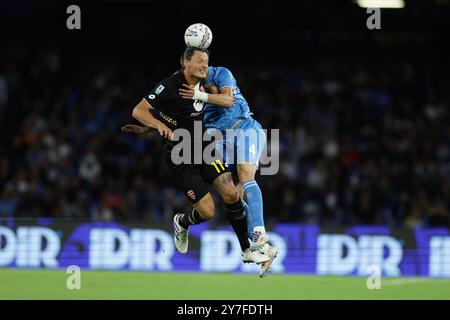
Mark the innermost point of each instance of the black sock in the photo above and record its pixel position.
(188, 219)
(236, 217)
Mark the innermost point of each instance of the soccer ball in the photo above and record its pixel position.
(198, 35)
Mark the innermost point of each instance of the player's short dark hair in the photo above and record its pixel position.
(189, 52)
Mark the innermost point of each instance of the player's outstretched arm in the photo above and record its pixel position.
(224, 99)
(142, 114)
(138, 130)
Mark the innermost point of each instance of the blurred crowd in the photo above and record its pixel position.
(360, 142)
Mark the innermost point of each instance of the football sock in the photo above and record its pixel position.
(236, 217)
(247, 216)
(189, 219)
(255, 206)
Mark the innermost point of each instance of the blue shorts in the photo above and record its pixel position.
(243, 142)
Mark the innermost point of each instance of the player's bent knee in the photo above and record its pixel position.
(230, 194)
(240, 190)
(246, 172)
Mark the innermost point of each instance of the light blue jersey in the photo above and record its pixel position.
(220, 117)
(248, 139)
(243, 141)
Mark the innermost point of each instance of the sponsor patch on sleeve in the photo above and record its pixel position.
(159, 89)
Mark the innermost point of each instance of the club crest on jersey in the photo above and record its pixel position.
(198, 105)
(191, 194)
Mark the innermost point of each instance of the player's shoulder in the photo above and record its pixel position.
(219, 72)
(175, 79)
(222, 70)
(170, 84)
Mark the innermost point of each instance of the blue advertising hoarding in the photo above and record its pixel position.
(303, 249)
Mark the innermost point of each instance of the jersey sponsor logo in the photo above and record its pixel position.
(191, 194)
(159, 89)
(168, 119)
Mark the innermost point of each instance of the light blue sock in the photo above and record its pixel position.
(255, 206)
(247, 217)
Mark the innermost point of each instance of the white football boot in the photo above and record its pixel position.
(249, 256)
(271, 252)
(180, 235)
(259, 239)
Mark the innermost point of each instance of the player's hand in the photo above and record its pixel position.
(211, 89)
(131, 128)
(165, 131)
(188, 91)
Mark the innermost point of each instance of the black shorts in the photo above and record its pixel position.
(195, 179)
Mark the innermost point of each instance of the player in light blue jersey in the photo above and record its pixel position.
(242, 145)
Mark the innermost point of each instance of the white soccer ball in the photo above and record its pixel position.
(198, 35)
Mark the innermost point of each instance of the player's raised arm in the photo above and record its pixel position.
(142, 114)
(224, 98)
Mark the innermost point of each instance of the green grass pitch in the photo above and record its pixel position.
(51, 284)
